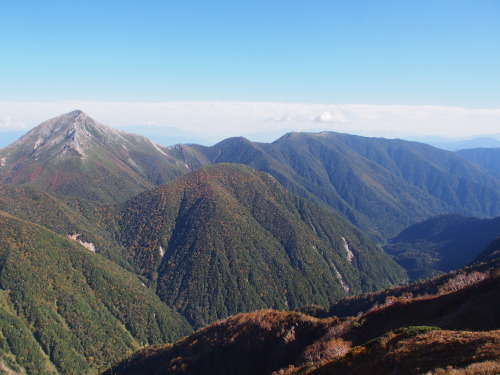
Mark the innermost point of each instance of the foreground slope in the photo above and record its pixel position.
(226, 239)
(415, 334)
(65, 309)
(431, 353)
(74, 155)
(442, 243)
(380, 185)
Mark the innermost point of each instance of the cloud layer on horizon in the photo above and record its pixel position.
(214, 121)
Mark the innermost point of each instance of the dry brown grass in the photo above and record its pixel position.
(463, 280)
(325, 350)
(436, 353)
(292, 343)
(483, 368)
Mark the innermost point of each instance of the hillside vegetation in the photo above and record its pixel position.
(74, 310)
(380, 185)
(87, 221)
(442, 243)
(227, 239)
(455, 328)
(453, 353)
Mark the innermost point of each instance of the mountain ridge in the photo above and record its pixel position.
(377, 184)
(380, 185)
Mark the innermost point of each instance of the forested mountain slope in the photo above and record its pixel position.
(488, 158)
(454, 328)
(74, 309)
(380, 185)
(83, 221)
(253, 244)
(227, 238)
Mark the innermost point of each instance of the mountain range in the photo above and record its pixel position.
(110, 242)
(488, 141)
(381, 186)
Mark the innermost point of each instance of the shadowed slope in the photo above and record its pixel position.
(488, 158)
(433, 353)
(492, 251)
(246, 344)
(442, 243)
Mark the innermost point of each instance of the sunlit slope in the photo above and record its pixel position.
(227, 238)
(81, 310)
(380, 185)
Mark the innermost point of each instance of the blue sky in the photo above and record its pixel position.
(398, 52)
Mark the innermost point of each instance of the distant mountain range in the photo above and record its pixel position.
(460, 144)
(380, 185)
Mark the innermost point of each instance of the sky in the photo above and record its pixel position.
(207, 70)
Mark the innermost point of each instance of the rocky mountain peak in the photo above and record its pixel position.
(71, 131)
(60, 123)
(60, 153)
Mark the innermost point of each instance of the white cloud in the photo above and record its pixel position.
(214, 121)
(327, 117)
(8, 123)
